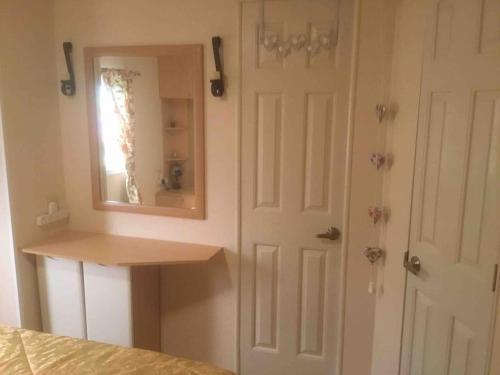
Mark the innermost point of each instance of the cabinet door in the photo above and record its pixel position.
(108, 304)
(61, 296)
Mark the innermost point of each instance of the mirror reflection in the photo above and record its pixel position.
(148, 130)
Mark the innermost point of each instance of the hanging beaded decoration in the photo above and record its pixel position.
(377, 212)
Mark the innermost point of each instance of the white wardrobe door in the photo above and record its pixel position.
(61, 296)
(108, 304)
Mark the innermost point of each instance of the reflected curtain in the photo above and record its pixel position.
(119, 83)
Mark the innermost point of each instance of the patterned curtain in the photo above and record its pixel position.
(119, 83)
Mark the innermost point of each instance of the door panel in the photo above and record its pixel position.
(320, 111)
(294, 136)
(311, 302)
(266, 296)
(269, 138)
(454, 229)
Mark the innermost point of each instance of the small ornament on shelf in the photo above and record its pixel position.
(176, 173)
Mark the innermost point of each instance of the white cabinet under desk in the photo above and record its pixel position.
(60, 284)
(107, 288)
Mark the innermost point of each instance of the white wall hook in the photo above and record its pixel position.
(54, 214)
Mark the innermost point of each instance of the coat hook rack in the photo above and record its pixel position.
(68, 87)
(217, 86)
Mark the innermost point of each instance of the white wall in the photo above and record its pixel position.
(29, 87)
(371, 88)
(9, 299)
(400, 143)
(200, 302)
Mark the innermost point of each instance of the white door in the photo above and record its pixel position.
(455, 212)
(294, 112)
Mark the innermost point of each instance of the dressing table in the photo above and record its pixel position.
(105, 287)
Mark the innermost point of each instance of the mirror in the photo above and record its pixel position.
(146, 129)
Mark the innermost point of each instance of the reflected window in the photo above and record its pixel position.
(113, 158)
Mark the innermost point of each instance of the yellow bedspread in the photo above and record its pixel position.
(29, 352)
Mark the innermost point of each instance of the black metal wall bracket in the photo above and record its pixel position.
(217, 86)
(68, 87)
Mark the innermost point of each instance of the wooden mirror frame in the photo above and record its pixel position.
(193, 52)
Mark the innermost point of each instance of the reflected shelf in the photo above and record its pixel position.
(182, 191)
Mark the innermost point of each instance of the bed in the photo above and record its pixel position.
(28, 352)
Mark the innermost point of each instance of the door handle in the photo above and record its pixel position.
(331, 234)
(413, 264)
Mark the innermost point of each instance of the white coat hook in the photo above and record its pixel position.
(54, 214)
